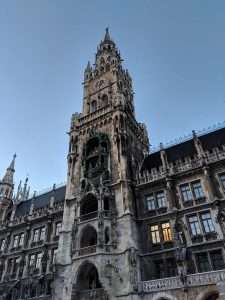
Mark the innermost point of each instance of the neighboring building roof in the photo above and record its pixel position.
(184, 149)
(41, 201)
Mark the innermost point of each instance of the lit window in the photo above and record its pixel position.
(155, 234)
(150, 201)
(15, 241)
(197, 189)
(2, 245)
(167, 236)
(36, 235)
(161, 200)
(217, 259)
(186, 192)
(202, 262)
(58, 228)
(42, 234)
(207, 222)
(222, 178)
(194, 225)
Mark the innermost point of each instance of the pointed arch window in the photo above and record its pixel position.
(93, 106)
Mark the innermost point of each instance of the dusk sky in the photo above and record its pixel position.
(174, 50)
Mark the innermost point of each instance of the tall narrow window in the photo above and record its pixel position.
(38, 260)
(202, 262)
(150, 202)
(21, 241)
(207, 222)
(194, 225)
(186, 192)
(161, 200)
(54, 253)
(42, 234)
(217, 259)
(155, 234)
(58, 227)
(2, 245)
(167, 236)
(36, 235)
(15, 241)
(198, 190)
(222, 178)
(32, 260)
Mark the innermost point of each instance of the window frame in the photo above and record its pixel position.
(206, 222)
(155, 200)
(155, 234)
(192, 191)
(198, 233)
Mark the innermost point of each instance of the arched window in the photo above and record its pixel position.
(88, 278)
(107, 68)
(88, 240)
(104, 100)
(93, 106)
(212, 296)
(102, 61)
(89, 207)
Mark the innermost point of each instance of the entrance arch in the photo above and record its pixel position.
(88, 278)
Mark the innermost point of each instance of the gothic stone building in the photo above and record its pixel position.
(129, 223)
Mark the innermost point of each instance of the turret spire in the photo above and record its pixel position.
(107, 35)
(8, 178)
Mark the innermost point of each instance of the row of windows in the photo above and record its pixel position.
(34, 262)
(39, 234)
(204, 262)
(190, 192)
(199, 224)
(207, 261)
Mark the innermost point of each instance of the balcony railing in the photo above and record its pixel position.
(171, 283)
(91, 294)
(87, 250)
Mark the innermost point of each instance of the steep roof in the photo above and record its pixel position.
(184, 149)
(41, 201)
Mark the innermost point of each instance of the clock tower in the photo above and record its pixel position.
(98, 246)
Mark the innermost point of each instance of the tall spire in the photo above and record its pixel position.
(6, 184)
(107, 35)
(8, 178)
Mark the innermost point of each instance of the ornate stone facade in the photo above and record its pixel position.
(128, 224)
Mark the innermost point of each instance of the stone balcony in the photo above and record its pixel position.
(172, 283)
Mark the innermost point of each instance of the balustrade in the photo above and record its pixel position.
(87, 250)
(181, 166)
(171, 283)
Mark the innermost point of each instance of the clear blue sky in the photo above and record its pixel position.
(174, 50)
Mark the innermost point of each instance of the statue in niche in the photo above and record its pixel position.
(132, 258)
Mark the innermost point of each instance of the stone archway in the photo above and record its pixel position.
(209, 294)
(88, 284)
(163, 296)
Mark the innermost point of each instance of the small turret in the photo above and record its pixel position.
(6, 184)
(6, 189)
(88, 72)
